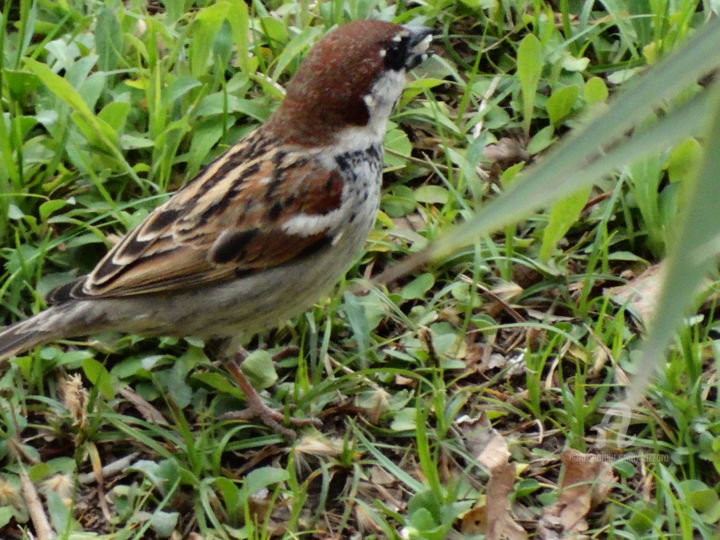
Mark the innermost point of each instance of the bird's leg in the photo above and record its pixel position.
(257, 409)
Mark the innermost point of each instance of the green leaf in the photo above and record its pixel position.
(684, 160)
(239, 21)
(6, 514)
(418, 287)
(20, 83)
(99, 377)
(274, 30)
(422, 520)
(292, 50)
(178, 88)
(560, 104)
(108, 39)
(260, 369)
(431, 194)
(510, 174)
(419, 86)
(61, 88)
(396, 142)
(445, 338)
(163, 523)
(71, 359)
(563, 215)
(529, 68)
(206, 134)
(400, 201)
(641, 517)
(703, 499)
(357, 317)
(626, 469)
(231, 495)
(39, 472)
(595, 91)
(92, 125)
(132, 142)
(48, 207)
(205, 28)
(58, 511)
(115, 114)
(405, 420)
(263, 477)
(162, 474)
(173, 382)
(218, 382)
(541, 140)
(20, 122)
(428, 501)
(571, 63)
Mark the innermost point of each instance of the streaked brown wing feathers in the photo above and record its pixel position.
(217, 228)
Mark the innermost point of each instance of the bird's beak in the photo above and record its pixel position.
(418, 43)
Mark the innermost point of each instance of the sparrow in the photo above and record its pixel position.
(265, 229)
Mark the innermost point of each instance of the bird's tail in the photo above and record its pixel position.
(25, 335)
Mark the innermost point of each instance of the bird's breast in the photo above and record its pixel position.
(362, 175)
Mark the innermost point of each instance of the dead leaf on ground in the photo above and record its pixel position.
(479, 358)
(495, 453)
(587, 479)
(144, 407)
(494, 517)
(506, 151)
(640, 294)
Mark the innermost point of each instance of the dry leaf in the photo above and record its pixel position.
(366, 521)
(506, 151)
(317, 445)
(474, 521)
(376, 404)
(480, 358)
(495, 454)
(500, 523)
(587, 480)
(494, 518)
(380, 476)
(147, 410)
(640, 294)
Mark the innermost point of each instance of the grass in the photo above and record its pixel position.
(448, 396)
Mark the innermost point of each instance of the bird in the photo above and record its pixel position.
(264, 230)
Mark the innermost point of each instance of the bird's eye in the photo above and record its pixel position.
(396, 53)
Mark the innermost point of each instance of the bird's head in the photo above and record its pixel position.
(349, 83)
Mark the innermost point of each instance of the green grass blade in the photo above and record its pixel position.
(692, 255)
(565, 170)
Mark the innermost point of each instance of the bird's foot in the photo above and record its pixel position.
(257, 409)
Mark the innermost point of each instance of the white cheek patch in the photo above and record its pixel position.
(382, 97)
(380, 102)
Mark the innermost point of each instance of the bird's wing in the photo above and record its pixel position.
(247, 211)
